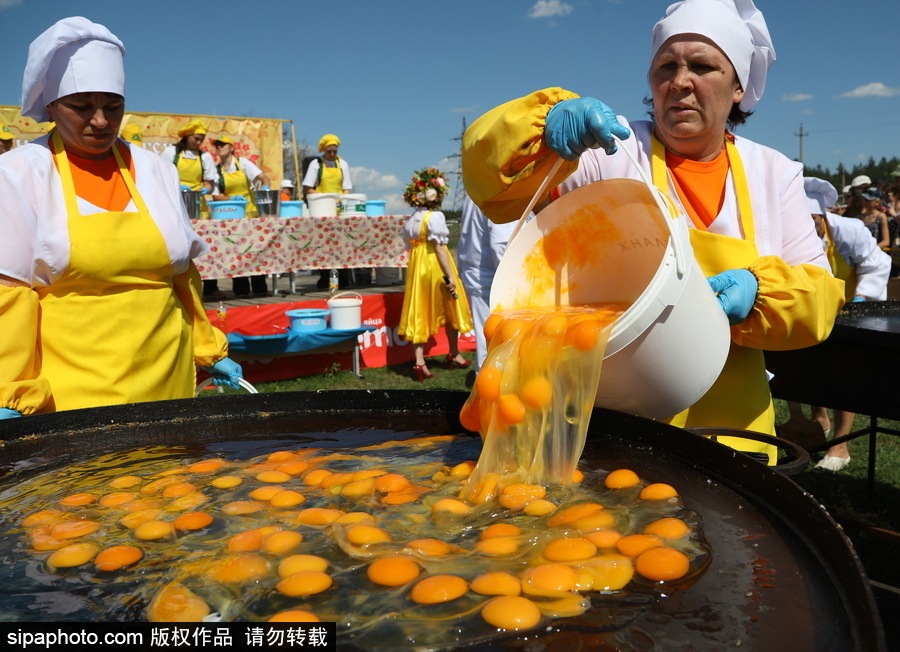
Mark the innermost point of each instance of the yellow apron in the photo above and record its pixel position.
(237, 183)
(839, 266)
(426, 303)
(332, 178)
(190, 173)
(740, 397)
(112, 329)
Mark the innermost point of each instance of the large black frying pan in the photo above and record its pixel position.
(782, 576)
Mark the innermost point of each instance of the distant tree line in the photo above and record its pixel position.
(879, 173)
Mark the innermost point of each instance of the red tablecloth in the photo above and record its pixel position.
(276, 245)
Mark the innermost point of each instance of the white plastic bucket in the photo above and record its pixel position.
(346, 311)
(609, 242)
(322, 204)
(352, 205)
(227, 210)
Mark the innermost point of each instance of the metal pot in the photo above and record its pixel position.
(192, 199)
(782, 574)
(268, 202)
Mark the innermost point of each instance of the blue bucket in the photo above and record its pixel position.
(375, 208)
(231, 209)
(307, 320)
(291, 209)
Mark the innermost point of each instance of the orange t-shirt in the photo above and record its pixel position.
(700, 185)
(99, 181)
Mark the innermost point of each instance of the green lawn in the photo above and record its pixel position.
(845, 494)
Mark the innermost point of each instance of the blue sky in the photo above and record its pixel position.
(395, 79)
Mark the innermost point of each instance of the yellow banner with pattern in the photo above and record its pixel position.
(257, 139)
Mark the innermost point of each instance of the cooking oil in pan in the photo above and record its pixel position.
(377, 538)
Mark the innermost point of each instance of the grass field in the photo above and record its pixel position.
(845, 495)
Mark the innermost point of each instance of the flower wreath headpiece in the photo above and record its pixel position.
(427, 189)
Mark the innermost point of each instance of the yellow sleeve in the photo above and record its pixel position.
(22, 387)
(505, 157)
(210, 344)
(795, 306)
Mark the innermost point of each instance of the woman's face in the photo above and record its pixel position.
(88, 123)
(224, 150)
(694, 87)
(193, 142)
(330, 153)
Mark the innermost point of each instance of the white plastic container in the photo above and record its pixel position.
(322, 204)
(352, 205)
(346, 311)
(615, 241)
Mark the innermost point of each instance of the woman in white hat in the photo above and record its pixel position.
(99, 300)
(752, 233)
(855, 257)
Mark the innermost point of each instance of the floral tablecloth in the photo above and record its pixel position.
(276, 245)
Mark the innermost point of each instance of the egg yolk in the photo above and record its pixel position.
(496, 583)
(304, 583)
(206, 466)
(393, 571)
(511, 612)
(77, 500)
(176, 490)
(662, 564)
(314, 478)
(621, 479)
(668, 528)
(294, 616)
(571, 514)
(510, 409)
(265, 493)
(297, 563)
(240, 568)
(319, 516)
(192, 521)
(451, 505)
(539, 507)
(279, 543)
(569, 549)
(367, 534)
(116, 557)
(226, 482)
(549, 580)
(177, 603)
(241, 507)
(247, 541)
(658, 491)
(499, 530)
(293, 468)
(438, 588)
(154, 530)
(118, 498)
(491, 325)
(73, 555)
(487, 384)
(287, 498)
(391, 482)
(125, 481)
(135, 519)
(74, 529)
(635, 544)
(430, 547)
(359, 488)
(42, 516)
(497, 546)
(273, 476)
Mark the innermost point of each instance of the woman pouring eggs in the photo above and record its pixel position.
(99, 300)
(746, 203)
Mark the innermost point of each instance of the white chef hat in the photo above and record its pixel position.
(820, 194)
(736, 26)
(73, 56)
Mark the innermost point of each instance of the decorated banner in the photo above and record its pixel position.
(257, 139)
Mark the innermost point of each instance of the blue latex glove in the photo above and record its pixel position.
(185, 188)
(858, 299)
(266, 188)
(736, 291)
(9, 413)
(226, 372)
(574, 125)
(204, 191)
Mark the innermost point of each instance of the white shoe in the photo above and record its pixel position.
(832, 464)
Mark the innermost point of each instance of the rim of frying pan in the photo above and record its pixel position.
(43, 441)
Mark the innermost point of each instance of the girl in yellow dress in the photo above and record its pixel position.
(434, 295)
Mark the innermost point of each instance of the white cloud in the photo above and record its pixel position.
(469, 109)
(875, 89)
(796, 97)
(373, 181)
(6, 4)
(549, 8)
(395, 205)
(807, 112)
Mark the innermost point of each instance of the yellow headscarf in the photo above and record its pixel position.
(132, 133)
(5, 132)
(328, 140)
(193, 127)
